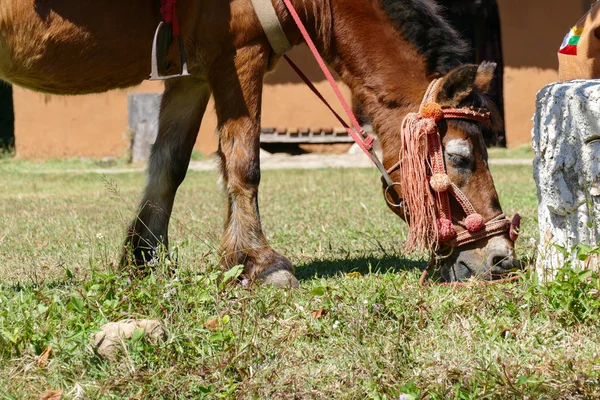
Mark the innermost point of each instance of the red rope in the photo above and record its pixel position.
(366, 144)
(169, 14)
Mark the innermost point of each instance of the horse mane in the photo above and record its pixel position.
(422, 24)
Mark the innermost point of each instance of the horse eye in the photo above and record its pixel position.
(458, 161)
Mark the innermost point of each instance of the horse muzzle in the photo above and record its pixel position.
(491, 259)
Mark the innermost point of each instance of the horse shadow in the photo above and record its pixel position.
(364, 265)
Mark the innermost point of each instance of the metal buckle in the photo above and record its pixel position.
(386, 193)
(440, 257)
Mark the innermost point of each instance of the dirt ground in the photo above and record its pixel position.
(279, 161)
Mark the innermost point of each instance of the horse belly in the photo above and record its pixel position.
(75, 46)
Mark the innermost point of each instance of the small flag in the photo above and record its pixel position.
(569, 44)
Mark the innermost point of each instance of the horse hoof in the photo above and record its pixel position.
(280, 278)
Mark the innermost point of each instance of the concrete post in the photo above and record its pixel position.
(143, 124)
(566, 141)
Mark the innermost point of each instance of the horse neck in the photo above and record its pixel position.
(385, 72)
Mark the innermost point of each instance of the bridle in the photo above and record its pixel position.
(439, 185)
(424, 125)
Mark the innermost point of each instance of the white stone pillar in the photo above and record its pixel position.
(566, 141)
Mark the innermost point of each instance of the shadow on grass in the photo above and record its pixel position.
(364, 265)
(30, 286)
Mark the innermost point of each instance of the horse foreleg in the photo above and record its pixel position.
(182, 107)
(237, 86)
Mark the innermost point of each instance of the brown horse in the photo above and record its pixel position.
(84, 46)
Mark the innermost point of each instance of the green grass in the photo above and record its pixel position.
(523, 152)
(9, 165)
(382, 334)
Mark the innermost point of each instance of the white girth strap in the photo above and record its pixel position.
(272, 27)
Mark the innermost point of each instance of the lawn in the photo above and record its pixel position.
(360, 326)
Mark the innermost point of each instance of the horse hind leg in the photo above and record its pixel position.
(237, 85)
(182, 108)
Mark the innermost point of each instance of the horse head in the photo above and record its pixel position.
(448, 195)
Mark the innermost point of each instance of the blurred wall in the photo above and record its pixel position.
(96, 125)
(532, 32)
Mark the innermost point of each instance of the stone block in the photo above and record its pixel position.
(566, 141)
(143, 112)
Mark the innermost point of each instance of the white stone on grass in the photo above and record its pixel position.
(112, 336)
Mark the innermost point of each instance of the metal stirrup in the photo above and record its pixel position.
(155, 75)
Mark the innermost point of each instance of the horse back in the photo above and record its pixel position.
(76, 46)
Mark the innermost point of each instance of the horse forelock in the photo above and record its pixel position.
(482, 100)
(422, 23)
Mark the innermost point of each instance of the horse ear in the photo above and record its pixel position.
(457, 85)
(485, 75)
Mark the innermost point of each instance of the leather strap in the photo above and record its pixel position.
(270, 23)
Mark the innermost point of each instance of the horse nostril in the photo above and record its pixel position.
(497, 261)
(502, 261)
